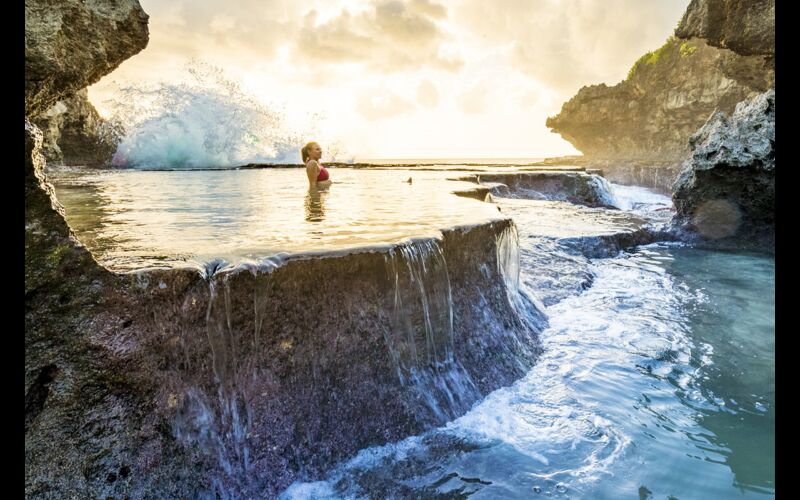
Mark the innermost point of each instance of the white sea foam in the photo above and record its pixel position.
(210, 122)
(638, 198)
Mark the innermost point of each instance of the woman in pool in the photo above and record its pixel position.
(317, 174)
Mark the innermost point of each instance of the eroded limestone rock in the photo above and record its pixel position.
(745, 26)
(727, 188)
(71, 44)
(75, 134)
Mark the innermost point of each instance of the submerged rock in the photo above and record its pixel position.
(75, 134)
(745, 26)
(574, 186)
(71, 44)
(727, 188)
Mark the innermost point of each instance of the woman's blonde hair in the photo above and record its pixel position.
(304, 151)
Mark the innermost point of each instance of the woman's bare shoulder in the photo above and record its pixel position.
(312, 164)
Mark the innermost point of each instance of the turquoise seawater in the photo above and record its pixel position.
(658, 381)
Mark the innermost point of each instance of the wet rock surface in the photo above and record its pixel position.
(656, 175)
(576, 187)
(280, 375)
(726, 192)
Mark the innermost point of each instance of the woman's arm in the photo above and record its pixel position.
(312, 170)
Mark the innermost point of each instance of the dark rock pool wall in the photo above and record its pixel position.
(184, 384)
(270, 376)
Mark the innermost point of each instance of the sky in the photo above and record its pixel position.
(405, 78)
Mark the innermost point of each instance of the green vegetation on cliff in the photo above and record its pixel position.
(663, 53)
(652, 58)
(687, 49)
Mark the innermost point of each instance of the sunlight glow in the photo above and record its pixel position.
(405, 78)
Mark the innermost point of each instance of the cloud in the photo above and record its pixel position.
(390, 35)
(398, 65)
(203, 28)
(429, 8)
(377, 104)
(570, 43)
(473, 100)
(427, 95)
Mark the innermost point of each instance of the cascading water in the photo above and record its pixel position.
(218, 420)
(605, 193)
(526, 306)
(210, 122)
(639, 199)
(420, 342)
(508, 258)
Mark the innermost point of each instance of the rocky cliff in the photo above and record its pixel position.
(723, 53)
(75, 134)
(71, 44)
(726, 191)
(746, 27)
(81, 400)
(667, 96)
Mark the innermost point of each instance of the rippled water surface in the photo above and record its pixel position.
(131, 219)
(656, 382)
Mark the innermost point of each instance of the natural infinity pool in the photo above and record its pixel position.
(132, 219)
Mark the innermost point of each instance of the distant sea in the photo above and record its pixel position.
(449, 161)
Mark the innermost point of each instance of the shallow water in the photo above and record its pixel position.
(132, 219)
(656, 381)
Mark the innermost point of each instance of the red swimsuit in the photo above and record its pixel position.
(323, 174)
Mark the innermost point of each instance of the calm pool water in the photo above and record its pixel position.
(132, 219)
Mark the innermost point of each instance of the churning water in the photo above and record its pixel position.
(657, 377)
(657, 381)
(207, 121)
